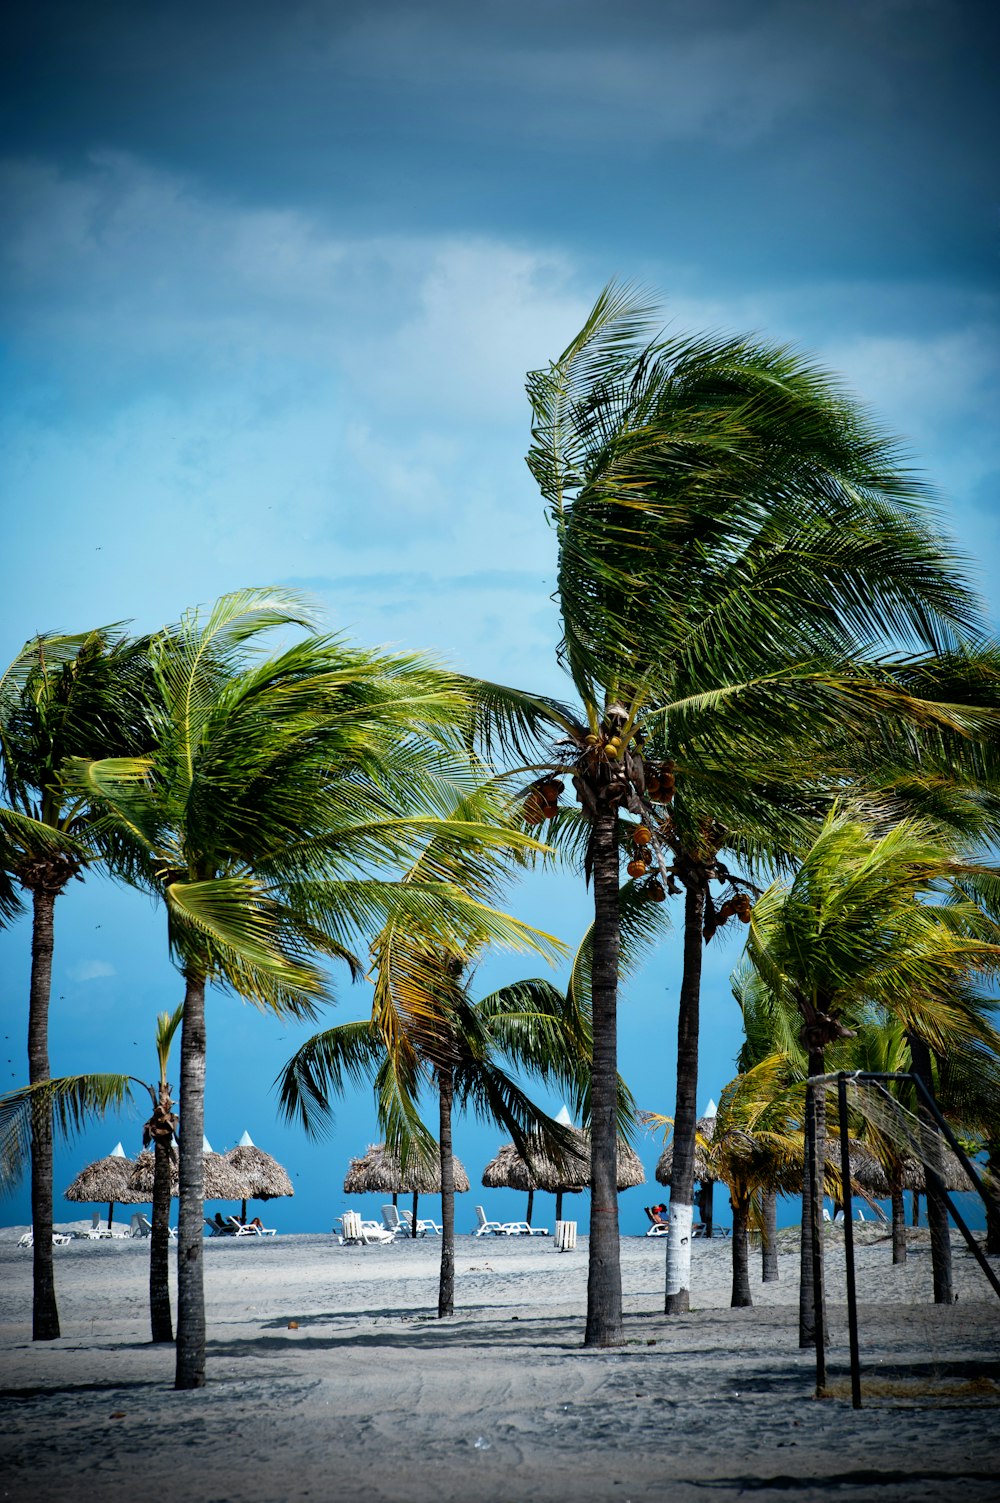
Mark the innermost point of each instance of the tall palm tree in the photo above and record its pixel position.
(274, 781)
(849, 933)
(74, 1099)
(425, 1028)
(62, 697)
(735, 540)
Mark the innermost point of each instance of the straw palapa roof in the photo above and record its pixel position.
(509, 1171)
(105, 1182)
(221, 1180)
(871, 1175)
(379, 1172)
(262, 1176)
(702, 1170)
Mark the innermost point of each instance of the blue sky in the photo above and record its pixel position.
(270, 280)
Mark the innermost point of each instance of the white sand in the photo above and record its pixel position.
(372, 1397)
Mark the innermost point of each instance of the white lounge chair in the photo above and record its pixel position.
(59, 1239)
(658, 1229)
(523, 1229)
(423, 1226)
(354, 1229)
(245, 1229)
(392, 1223)
(215, 1230)
(486, 1228)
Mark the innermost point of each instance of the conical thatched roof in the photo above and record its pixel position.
(105, 1182)
(221, 1180)
(702, 1172)
(871, 1176)
(509, 1171)
(262, 1176)
(378, 1172)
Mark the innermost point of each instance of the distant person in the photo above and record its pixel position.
(219, 1222)
(256, 1222)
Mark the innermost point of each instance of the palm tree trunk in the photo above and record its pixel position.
(769, 1239)
(159, 1245)
(190, 1368)
(678, 1292)
(937, 1211)
(446, 1285)
(45, 1314)
(705, 1206)
(993, 1200)
(812, 1295)
(742, 1298)
(604, 1277)
(898, 1221)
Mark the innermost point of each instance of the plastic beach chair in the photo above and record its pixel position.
(522, 1229)
(392, 1223)
(486, 1228)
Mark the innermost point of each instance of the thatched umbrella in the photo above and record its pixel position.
(509, 1171)
(221, 1180)
(106, 1181)
(263, 1177)
(379, 1172)
(702, 1170)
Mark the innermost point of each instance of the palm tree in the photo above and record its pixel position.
(73, 1099)
(848, 934)
(425, 1029)
(62, 697)
(274, 781)
(735, 538)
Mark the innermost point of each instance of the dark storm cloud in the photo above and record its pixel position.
(867, 131)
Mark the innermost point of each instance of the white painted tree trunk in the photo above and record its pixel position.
(679, 1248)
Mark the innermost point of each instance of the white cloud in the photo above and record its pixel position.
(92, 970)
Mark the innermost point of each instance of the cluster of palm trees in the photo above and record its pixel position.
(777, 667)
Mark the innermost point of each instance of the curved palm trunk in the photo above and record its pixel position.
(190, 1368)
(604, 1278)
(45, 1314)
(742, 1297)
(769, 1239)
(446, 1284)
(159, 1246)
(678, 1291)
(898, 1221)
(812, 1295)
(993, 1200)
(937, 1211)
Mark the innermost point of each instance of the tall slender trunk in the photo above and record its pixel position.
(898, 1220)
(559, 1196)
(705, 1206)
(812, 1295)
(937, 1211)
(604, 1277)
(742, 1297)
(413, 1213)
(159, 1245)
(993, 1200)
(678, 1290)
(531, 1206)
(769, 1239)
(446, 1285)
(45, 1314)
(190, 1368)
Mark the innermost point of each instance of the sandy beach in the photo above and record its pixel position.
(373, 1397)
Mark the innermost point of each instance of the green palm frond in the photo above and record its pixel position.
(73, 1101)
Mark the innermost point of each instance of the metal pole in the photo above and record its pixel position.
(815, 1211)
(852, 1294)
